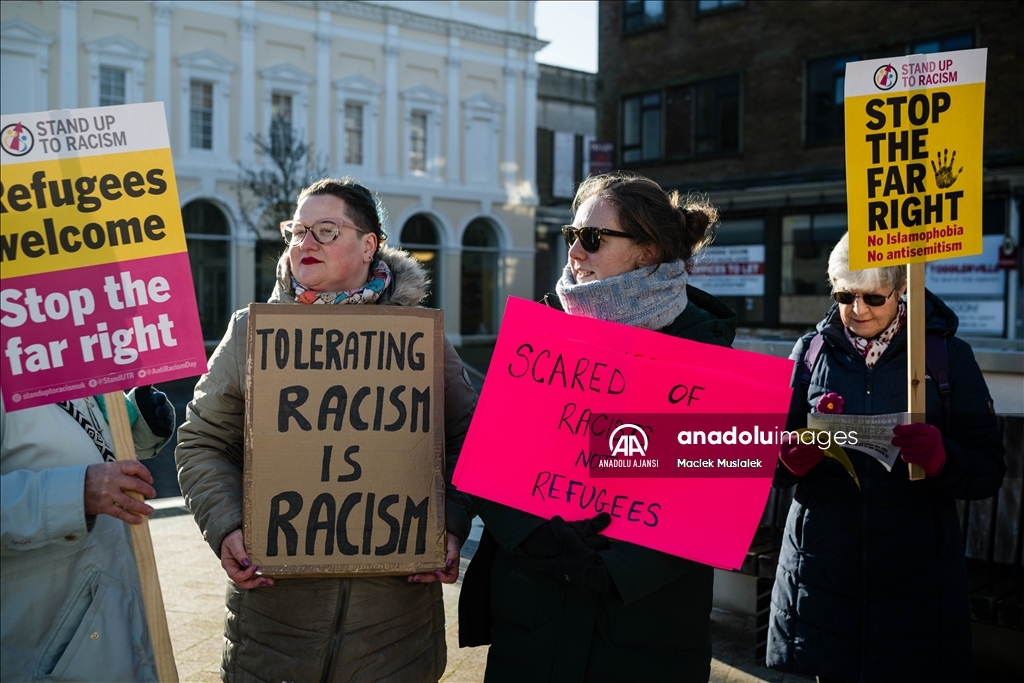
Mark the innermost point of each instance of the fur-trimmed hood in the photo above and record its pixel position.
(409, 281)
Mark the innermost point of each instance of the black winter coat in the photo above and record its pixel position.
(657, 629)
(871, 583)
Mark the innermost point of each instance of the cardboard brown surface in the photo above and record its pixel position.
(344, 464)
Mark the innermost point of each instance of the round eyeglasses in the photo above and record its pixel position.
(873, 300)
(589, 237)
(324, 231)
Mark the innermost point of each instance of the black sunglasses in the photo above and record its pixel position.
(873, 300)
(590, 238)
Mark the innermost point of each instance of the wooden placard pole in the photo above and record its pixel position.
(915, 352)
(152, 598)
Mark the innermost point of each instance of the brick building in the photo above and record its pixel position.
(743, 100)
(566, 124)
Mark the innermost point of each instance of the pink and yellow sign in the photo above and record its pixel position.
(569, 400)
(96, 292)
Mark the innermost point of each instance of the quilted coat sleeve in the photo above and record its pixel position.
(975, 462)
(210, 441)
(459, 403)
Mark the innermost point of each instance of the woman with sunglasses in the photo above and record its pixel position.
(871, 583)
(322, 629)
(567, 604)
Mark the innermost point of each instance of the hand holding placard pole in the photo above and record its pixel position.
(152, 598)
(915, 352)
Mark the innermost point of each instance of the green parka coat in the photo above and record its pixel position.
(657, 629)
(323, 629)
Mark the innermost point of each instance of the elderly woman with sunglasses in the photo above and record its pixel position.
(323, 629)
(871, 583)
(565, 603)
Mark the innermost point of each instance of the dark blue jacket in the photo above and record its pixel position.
(871, 583)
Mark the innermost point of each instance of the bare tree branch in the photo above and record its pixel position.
(267, 193)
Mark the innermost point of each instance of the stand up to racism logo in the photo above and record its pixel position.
(885, 77)
(17, 139)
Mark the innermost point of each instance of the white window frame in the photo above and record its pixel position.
(203, 84)
(286, 79)
(22, 38)
(482, 107)
(117, 53)
(205, 65)
(424, 100)
(357, 89)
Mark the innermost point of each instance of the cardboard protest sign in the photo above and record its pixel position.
(914, 157)
(574, 382)
(344, 469)
(96, 292)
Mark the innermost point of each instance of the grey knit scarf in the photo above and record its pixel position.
(649, 297)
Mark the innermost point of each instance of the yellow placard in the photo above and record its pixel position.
(82, 211)
(914, 152)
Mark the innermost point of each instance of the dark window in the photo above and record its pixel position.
(419, 238)
(282, 135)
(679, 122)
(640, 15)
(807, 241)
(353, 134)
(956, 41)
(268, 253)
(480, 258)
(826, 83)
(201, 115)
(709, 6)
(716, 111)
(418, 141)
(112, 86)
(641, 128)
(208, 239)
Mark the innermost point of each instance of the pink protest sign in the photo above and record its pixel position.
(96, 293)
(576, 381)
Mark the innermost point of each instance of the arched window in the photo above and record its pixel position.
(209, 251)
(419, 238)
(479, 282)
(268, 253)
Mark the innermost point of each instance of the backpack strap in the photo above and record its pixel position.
(937, 365)
(810, 358)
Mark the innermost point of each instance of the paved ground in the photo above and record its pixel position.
(193, 588)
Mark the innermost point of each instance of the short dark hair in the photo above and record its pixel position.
(678, 226)
(366, 209)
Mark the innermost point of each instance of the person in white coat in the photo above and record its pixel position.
(71, 608)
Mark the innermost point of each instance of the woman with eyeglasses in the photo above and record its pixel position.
(322, 629)
(871, 582)
(565, 603)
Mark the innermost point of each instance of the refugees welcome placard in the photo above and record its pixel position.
(96, 291)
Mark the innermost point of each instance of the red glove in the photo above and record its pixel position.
(799, 458)
(921, 444)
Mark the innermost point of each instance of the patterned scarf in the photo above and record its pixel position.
(92, 430)
(872, 349)
(650, 297)
(380, 278)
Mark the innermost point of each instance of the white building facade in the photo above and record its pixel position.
(432, 105)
